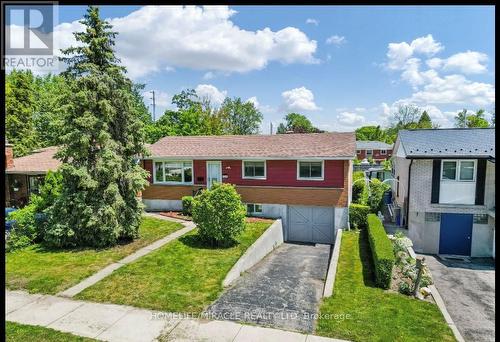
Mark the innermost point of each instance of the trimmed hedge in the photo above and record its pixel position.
(187, 205)
(358, 216)
(382, 252)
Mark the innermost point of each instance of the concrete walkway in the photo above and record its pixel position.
(281, 291)
(87, 282)
(109, 322)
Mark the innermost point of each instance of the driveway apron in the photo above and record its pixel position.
(468, 291)
(282, 291)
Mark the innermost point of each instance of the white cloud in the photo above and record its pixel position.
(312, 21)
(203, 38)
(211, 92)
(399, 53)
(200, 38)
(299, 99)
(336, 40)
(469, 62)
(351, 119)
(455, 89)
(254, 100)
(431, 88)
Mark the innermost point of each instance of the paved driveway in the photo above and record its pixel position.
(282, 291)
(468, 290)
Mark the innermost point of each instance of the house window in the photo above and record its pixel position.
(310, 170)
(254, 208)
(173, 172)
(254, 169)
(358, 151)
(383, 152)
(34, 184)
(432, 217)
(458, 170)
(369, 152)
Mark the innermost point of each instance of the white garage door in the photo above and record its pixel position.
(310, 224)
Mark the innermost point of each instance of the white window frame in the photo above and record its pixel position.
(369, 153)
(311, 178)
(457, 173)
(251, 177)
(253, 211)
(163, 161)
(383, 152)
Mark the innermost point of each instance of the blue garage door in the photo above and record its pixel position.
(455, 234)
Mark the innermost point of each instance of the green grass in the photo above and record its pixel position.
(374, 314)
(38, 269)
(15, 332)
(183, 276)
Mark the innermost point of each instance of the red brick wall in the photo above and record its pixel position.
(9, 157)
(376, 154)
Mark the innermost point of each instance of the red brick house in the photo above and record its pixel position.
(379, 151)
(24, 175)
(303, 178)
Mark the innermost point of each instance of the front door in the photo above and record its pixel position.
(214, 173)
(455, 234)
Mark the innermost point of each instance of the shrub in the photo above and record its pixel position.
(187, 203)
(377, 189)
(404, 288)
(219, 214)
(382, 252)
(31, 220)
(359, 188)
(357, 216)
(356, 161)
(24, 231)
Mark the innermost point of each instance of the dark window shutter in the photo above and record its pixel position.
(480, 181)
(436, 180)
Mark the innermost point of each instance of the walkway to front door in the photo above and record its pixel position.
(282, 291)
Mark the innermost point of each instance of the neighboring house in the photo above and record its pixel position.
(24, 175)
(303, 178)
(446, 189)
(377, 150)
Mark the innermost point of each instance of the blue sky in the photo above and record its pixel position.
(342, 66)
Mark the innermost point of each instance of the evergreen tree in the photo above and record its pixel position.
(425, 120)
(19, 110)
(102, 138)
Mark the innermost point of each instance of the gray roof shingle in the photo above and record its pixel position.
(372, 145)
(449, 142)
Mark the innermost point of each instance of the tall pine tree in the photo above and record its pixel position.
(102, 138)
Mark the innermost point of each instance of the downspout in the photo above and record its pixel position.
(408, 200)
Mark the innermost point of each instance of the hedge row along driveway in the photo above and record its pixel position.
(38, 269)
(360, 311)
(183, 276)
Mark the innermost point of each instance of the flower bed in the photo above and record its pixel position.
(405, 270)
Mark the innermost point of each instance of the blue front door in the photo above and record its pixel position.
(456, 234)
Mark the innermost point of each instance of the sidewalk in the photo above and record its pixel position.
(109, 322)
(73, 291)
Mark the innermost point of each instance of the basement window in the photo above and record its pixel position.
(253, 208)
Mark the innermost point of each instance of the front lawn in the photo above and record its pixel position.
(43, 270)
(183, 276)
(15, 332)
(374, 314)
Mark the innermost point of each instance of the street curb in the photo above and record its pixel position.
(440, 303)
(332, 268)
